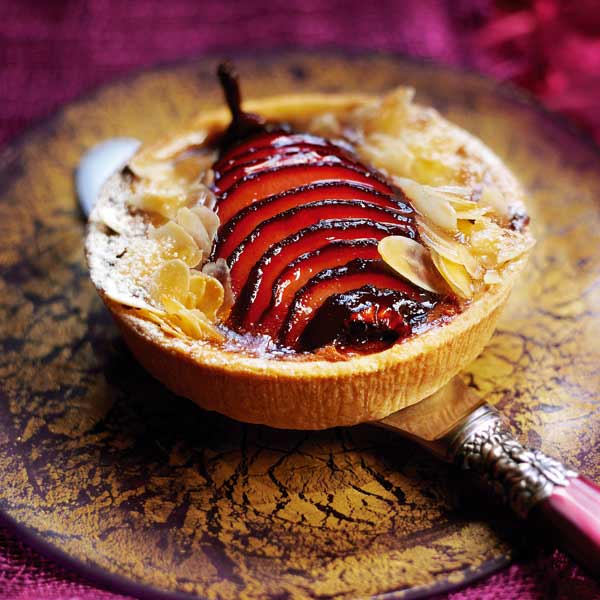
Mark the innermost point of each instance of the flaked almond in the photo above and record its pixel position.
(442, 242)
(175, 242)
(127, 299)
(211, 301)
(491, 277)
(209, 219)
(513, 246)
(387, 153)
(220, 271)
(455, 275)
(485, 237)
(160, 318)
(388, 114)
(197, 286)
(326, 125)
(172, 279)
(154, 160)
(192, 322)
(472, 214)
(432, 204)
(192, 165)
(491, 196)
(193, 225)
(165, 203)
(411, 260)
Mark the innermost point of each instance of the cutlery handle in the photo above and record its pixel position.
(572, 513)
(532, 484)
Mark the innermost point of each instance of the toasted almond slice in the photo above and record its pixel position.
(173, 279)
(432, 204)
(198, 284)
(472, 214)
(411, 260)
(192, 165)
(439, 240)
(212, 299)
(485, 237)
(513, 246)
(455, 275)
(192, 223)
(209, 219)
(444, 244)
(491, 196)
(127, 299)
(220, 271)
(161, 318)
(192, 322)
(387, 152)
(461, 192)
(326, 125)
(491, 277)
(164, 204)
(175, 242)
(146, 162)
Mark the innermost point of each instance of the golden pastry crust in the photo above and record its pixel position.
(317, 393)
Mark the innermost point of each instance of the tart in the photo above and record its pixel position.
(310, 261)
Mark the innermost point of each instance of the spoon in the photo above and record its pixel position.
(454, 424)
(98, 164)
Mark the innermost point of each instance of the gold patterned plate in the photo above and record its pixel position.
(106, 471)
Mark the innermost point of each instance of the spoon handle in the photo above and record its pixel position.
(572, 513)
(532, 484)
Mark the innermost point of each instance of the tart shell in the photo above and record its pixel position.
(313, 393)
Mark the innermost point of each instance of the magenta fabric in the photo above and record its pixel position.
(52, 51)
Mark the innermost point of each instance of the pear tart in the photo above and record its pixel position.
(313, 261)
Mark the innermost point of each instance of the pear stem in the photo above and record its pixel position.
(242, 123)
(231, 89)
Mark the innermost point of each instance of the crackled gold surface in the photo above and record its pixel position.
(105, 466)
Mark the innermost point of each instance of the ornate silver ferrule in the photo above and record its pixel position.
(520, 476)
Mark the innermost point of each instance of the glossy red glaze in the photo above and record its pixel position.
(261, 154)
(315, 293)
(295, 209)
(233, 232)
(256, 294)
(297, 274)
(227, 180)
(254, 187)
(277, 139)
(285, 224)
(571, 515)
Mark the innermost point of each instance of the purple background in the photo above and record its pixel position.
(50, 52)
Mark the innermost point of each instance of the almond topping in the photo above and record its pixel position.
(209, 219)
(455, 275)
(492, 276)
(172, 279)
(175, 242)
(431, 203)
(411, 260)
(193, 225)
(447, 246)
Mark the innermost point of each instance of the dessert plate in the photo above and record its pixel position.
(107, 472)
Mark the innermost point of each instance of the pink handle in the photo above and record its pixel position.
(561, 502)
(572, 513)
